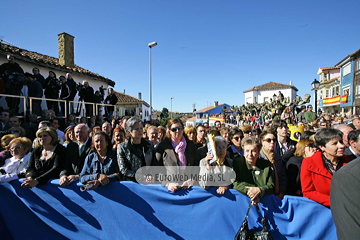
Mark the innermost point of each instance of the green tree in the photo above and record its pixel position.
(164, 113)
(164, 121)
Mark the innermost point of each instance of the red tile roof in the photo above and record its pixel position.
(331, 80)
(127, 99)
(270, 86)
(47, 61)
(329, 68)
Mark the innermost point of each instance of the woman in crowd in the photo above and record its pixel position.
(287, 115)
(100, 167)
(136, 152)
(176, 150)
(15, 167)
(47, 160)
(92, 122)
(190, 133)
(161, 134)
(235, 149)
(119, 136)
(317, 170)
(304, 148)
(17, 130)
(5, 153)
(69, 135)
(247, 130)
(253, 173)
(217, 167)
(153, 133)
(256, 132)
(224, 132)
(268, 141)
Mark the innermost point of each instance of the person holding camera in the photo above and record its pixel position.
(87, 94)
(110, 99)
(72, 85)
(52, 88)
(14, 80)
(34, 90)
(65, 94)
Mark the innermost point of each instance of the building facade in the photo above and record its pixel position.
(329, 89)
(267, 91)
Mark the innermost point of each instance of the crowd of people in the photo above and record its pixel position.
(98, 151)
(13, 78)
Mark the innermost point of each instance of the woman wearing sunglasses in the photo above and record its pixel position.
(176, 151)
(304, 148)
(235, 149)
(268, 142)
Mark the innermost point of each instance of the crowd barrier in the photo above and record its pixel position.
(126, 210)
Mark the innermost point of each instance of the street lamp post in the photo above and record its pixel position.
(150, 45)
(171, 106)
(315, 85)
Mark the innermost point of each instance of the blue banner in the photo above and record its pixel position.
(126, 210)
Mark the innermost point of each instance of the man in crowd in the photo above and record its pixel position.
(106, 128)
(309, 115)
(217, 124)
(72, 85)
(345, 130)
(56, 124)
(87, 94)
(200, 135)
(38, 77)
(14, 84)
(355, 121)
(31, 126)
(78, 151)
(301, 117)
(110, 99)
(353, 150)
(35, 89)
(4, 120)
(65, 94)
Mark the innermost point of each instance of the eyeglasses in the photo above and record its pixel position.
(237, 138)
(269, 140)
(175, 129)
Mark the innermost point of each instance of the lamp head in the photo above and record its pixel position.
(152, 44)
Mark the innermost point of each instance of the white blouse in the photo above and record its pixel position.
(13, 167)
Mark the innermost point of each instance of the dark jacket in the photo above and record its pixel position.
(111, 99)
(293, 167)
(43, 171)
(74, 162)
(88, 94)
(72, 85)
(130, 160)
(261, 176)
(35, 89)
(65, 92)
(52, 88)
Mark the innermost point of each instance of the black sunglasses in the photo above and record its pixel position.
(237, 138)
(269, 140)
(176, 129)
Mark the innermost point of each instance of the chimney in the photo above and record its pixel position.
(216, 103)
(66, 49)
(139, 95)
(291, 83)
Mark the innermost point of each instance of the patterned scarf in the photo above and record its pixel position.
(180, 150)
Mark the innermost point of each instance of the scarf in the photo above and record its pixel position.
(180, 151)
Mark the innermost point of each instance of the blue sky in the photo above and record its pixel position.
(208, 50)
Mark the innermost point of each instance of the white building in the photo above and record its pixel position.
(263, 93)
(62, 65)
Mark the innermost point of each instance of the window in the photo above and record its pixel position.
(327, 93)
(346, 69)
(325, 76)
(266, 99)
(357, 90)
(357, 65)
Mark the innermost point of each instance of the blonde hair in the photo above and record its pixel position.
(6, 138)
(25, 142)
(52, 132)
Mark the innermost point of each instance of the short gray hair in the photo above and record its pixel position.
(131, 123)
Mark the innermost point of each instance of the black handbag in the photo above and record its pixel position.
(244, 233)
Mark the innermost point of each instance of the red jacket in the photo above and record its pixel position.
(316, 179)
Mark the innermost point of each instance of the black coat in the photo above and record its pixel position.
(111, 99)
(74, 162)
